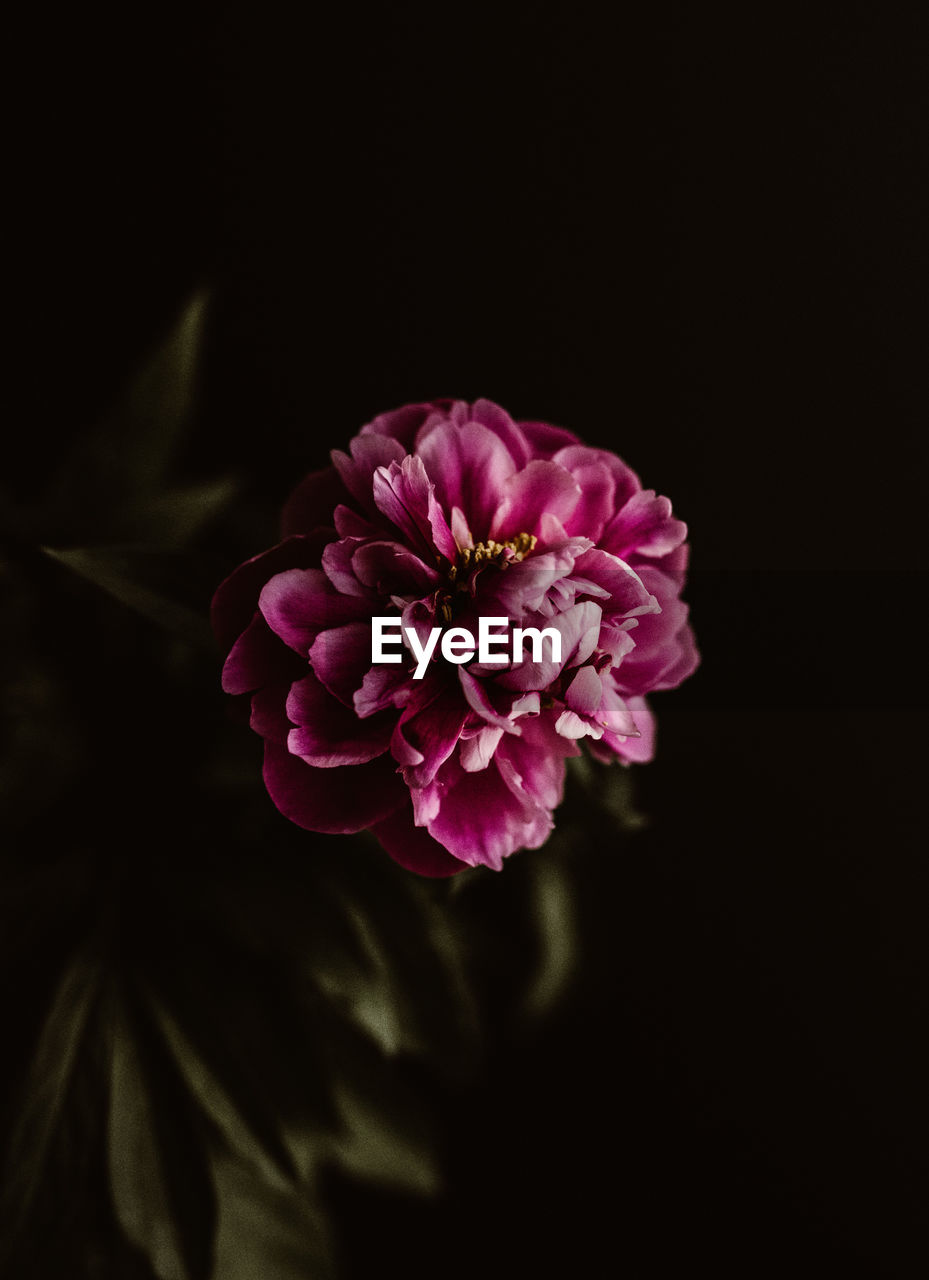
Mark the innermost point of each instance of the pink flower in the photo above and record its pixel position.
(440, 514)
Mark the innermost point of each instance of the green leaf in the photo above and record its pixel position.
(48, 1088)
(387, 1133)
(146, 426)
(173, 516)
(268, 1232)
(160, 1178)
(236, 1106)
(120, 572)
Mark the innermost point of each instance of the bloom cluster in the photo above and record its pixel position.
(449, 517)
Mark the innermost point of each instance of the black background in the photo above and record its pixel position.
(699, 240)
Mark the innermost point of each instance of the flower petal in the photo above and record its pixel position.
(414, 848)
(299, 603)
(328, 733)
(312, 502)
(540, 489)
(484, 817)
(341, 658)
(236, 598)
(644, 525)
(339, 800)
(406, 496)
(257, 658)
(469, 467)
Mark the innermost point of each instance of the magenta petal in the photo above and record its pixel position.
(236, 599)
(635, 750)
(269, 715)
(340, 800)
(644, 525)
(257, 658)
(664, 652)
(341, 658)
(478, 698)
(368, 452)
(540, 489)
(405, 495)
(579, 628)
(337, 566)
(327, 733)
(545, 440)
(482, 819)
(538, 758)
(476, 753)
(629, 597)
(490, 415)
(349, 524)
(414, 848)
(428, 731)
(402, 424)
(391, 568)
(312, 502)
(585, 692)
(299, 603)
(469, 467)
(597, 503)
(381, 688)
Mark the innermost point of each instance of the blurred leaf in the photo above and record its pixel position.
(268, 1232)
(159, 401)
(48, 1089)
(159, 1171)
(552, 904)
(417, 999)
(236, 1107)
(120, 571)
(387, 1133)
(173, 516)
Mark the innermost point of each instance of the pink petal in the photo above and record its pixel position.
(299, 603)
(484, 817)
(414, 848)
(341, 658)
(381, 688)
(538, 758)
(337, 566)
(327, 733)
(585, 692)
(391, 568)
(312, 502)
(644, 525)
(257, 658)
(597, 503)
(401, 424)
(497, 420)
(545, 440)
(268, 713)
(625, 480)
(428, 731)
(236, 598)
(540, 489)
(579, 628)
(469, 467)
(368, 452)
(339, 800)
(635, 750)
(476, 753)
(406, 496)
(628, 594)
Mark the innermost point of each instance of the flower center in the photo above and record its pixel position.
(470, 559)
(499, 553)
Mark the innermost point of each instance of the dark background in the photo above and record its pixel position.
(698, 240)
